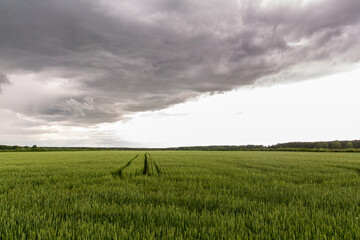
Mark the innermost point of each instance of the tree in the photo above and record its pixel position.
(349, 145)
(322, 145)
(336, 145)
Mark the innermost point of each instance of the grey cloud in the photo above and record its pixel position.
(130, 56)
(3, 80)
(16, 129)
(77, 108)
(15, 125)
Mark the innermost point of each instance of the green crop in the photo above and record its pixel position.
(139, 165)
(202, 195)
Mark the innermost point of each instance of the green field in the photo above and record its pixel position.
(198, 195)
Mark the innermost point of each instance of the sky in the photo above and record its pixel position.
(164, 73)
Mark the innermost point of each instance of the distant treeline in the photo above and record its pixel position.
(34, 148)
(194, 148)
(325, 146)
(330, 145)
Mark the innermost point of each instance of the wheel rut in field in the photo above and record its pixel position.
(141, 164)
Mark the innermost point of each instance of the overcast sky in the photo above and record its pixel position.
(178, 72)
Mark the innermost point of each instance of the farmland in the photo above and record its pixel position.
(198, 195)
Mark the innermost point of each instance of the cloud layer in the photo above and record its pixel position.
(3, 80)
(96, 61)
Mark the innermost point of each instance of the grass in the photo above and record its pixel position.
(202, 195)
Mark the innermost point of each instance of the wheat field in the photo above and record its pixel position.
(179, 195)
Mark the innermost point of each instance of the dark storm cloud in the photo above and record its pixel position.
(129, 56)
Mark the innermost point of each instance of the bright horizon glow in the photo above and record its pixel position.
(303, 111)
(322, 109)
